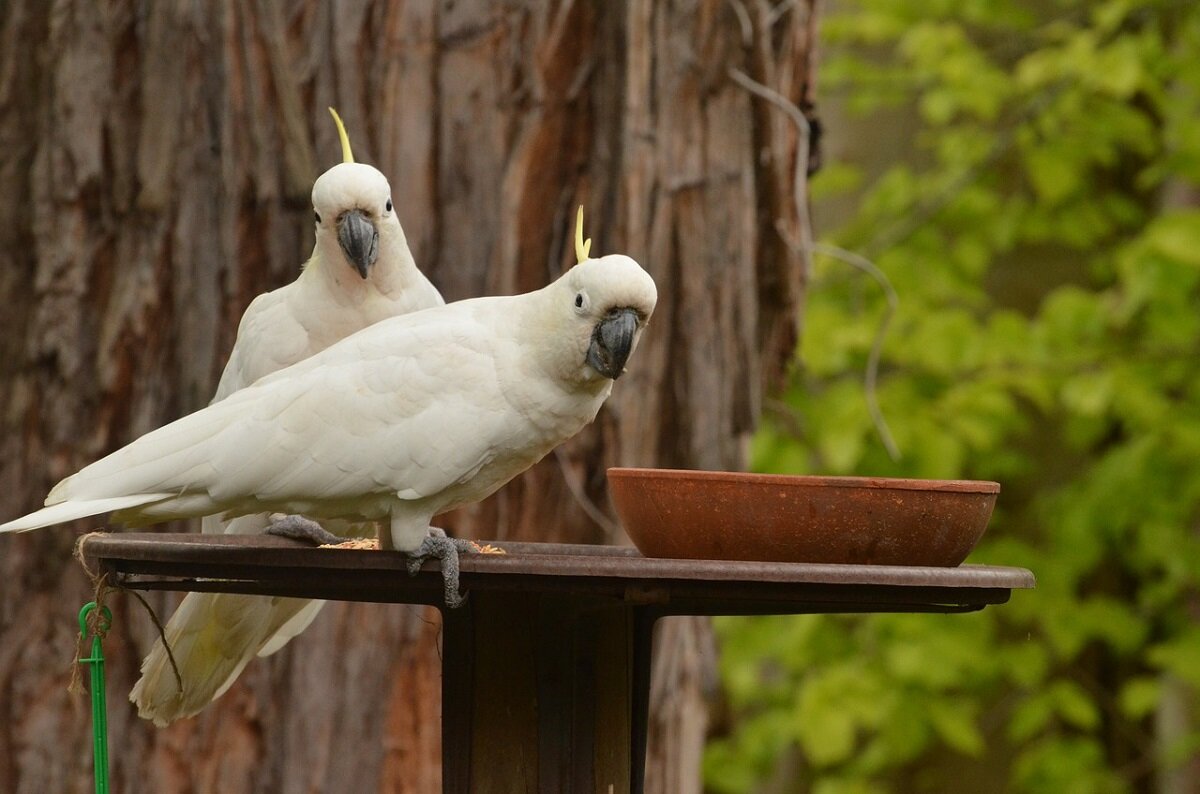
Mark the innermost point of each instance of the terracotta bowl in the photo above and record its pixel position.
(720, 515)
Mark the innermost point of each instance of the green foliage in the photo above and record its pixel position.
(1044, 240)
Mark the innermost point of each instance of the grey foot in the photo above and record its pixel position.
(302, 528)
(445, 550)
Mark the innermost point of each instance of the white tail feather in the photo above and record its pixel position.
(212, 636)
(69, 511)
(293, 628)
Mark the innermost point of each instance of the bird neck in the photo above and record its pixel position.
(395, 271)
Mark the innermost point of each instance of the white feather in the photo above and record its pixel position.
(70, 511)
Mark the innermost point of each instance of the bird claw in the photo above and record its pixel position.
(445, 550)
(436, 546)
(415, 560)
(301, 528)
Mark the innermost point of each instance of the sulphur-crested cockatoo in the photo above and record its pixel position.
(360, 272)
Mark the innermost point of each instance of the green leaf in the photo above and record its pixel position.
(1074, 705)
(1180, 656)
(826, 734)
(1030, 717)
(1090, 393)
(955, 724)
(1176, 235)
(1119, 67)
(1053, 172)
(1139, 697)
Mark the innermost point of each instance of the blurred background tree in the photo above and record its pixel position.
(1039, 219)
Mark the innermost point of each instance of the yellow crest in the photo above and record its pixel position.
(347, 155)
(582, 247)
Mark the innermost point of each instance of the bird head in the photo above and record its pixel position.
(352, 205)
(608, 302)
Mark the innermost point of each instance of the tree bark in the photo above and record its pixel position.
(157, 160)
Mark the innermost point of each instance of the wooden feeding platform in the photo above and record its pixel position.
(546, 668)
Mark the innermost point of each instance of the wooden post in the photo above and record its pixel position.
(538, 693)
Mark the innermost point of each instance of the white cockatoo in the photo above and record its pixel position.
(406, 419)
(360, 272)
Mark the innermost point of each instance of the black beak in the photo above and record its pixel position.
(612, 342)
(359, 240)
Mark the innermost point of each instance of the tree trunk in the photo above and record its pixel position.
(157, 160)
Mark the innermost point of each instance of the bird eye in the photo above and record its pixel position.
(317, 215)
(581, 301)
(388, 208)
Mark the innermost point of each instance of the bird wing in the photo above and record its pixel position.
(406, 407)
(269, 338)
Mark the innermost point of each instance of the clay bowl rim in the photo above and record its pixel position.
(815, 480)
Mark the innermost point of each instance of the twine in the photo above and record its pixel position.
(98, 626)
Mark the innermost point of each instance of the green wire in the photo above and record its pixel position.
(99, 711)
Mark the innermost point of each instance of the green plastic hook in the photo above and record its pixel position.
(99, 709)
